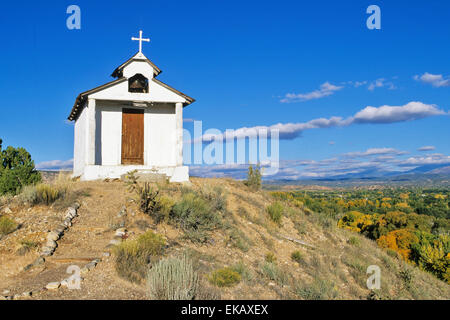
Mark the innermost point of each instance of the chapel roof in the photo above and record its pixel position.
(117, 73)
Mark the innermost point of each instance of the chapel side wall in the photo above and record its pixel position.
(79, 152)
(160, 135)
(111, 135)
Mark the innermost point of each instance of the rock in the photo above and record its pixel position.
(65, 283)
(28, 267)
(7, 210)
(106, 254)
(26, 294)
(67, 222)
(53, 285)
(114, 242)
(3, 298)
(5, 292)
(91, 265)
(53, 236)
(271, 284)
(38, 261)
(51, 244)
(71, 212)
(119, 234)
(76, 206)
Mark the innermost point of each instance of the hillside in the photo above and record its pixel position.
(330, 263)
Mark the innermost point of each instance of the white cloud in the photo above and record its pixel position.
(436, 80)
(389, 114)
(55, 165)
(379, 83)
(374, 152)
(426, 148)
(373, 115)
(326, 89)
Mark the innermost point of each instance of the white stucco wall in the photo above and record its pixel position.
(159, 134)
(79, 152)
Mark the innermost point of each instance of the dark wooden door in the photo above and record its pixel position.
(132, 136)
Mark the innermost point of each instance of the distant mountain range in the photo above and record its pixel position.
(427, 175)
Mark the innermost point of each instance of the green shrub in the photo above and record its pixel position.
(196, 217)
(297, 256)
(275, 211)
(320, 289)
(173, 278)
(270, 257)
(253, 178)
(225, 277)
(271, 271)
(16, 170)
(7, 226)
(134, 256)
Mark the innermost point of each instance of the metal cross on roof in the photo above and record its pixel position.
(140, 39)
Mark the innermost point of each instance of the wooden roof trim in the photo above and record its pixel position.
(189, 100)
(118, 71)
(79, 101)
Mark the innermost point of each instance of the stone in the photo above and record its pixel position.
(38, 261)
(3, 298)
(71, 212)
(27, 294)
(5, 292)
(53, 285)
(76, 206)
(53, 236)
(67, 222)
(114, 242)
(65, 283)
(7, 210)
(106, 254)
(51, 244)
(119, 234)
(91, 265)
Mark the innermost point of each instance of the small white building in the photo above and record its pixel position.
(134, 122)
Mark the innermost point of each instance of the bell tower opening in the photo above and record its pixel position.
(138, 83)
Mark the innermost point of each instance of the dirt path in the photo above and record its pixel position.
(84, 241)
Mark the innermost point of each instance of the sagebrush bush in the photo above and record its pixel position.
(195, 216)
(273, 272)
(354, 241)
(297, 256)
(242, 269)
(173, 278)
(26, 246)
(320, 289)
(133, 256)
(7, 226)
(270, 257)
(275, 211)
(225, 277)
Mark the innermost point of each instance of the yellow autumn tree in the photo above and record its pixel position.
(400, 241)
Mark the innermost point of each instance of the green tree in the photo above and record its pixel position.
(16, 170)
(253, 177)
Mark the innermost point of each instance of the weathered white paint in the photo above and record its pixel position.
(79, 146)
(179, 134)
(98, 130)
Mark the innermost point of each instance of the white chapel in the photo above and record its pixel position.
(134, 122)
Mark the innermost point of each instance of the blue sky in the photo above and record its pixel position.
(247, 64)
